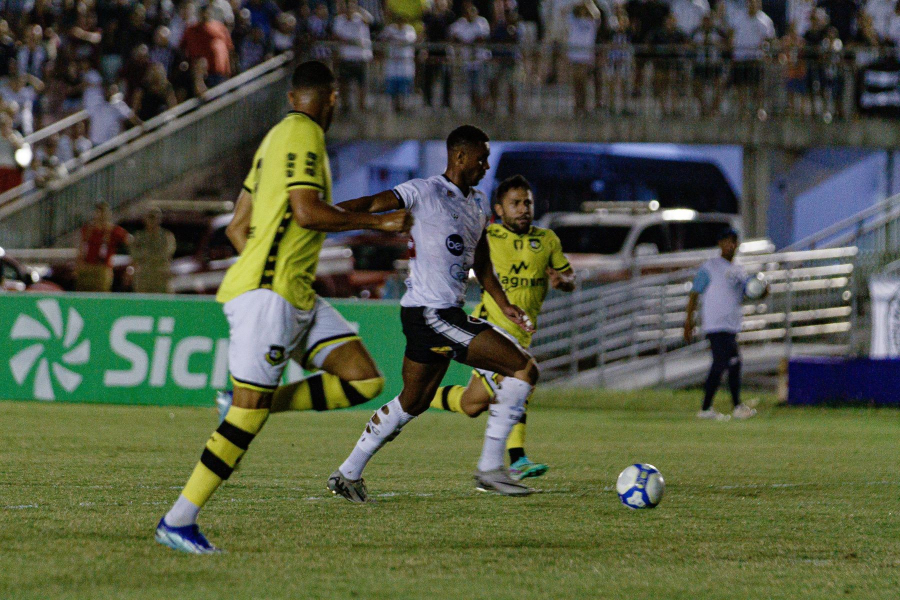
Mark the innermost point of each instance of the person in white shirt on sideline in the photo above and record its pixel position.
(722, 284)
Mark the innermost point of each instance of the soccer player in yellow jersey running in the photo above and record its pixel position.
(528, 260)
(282, 216)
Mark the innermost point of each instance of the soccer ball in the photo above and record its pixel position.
(755, 287)
(640, 486)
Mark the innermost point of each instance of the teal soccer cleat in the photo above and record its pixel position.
(186, 539)
(524, 468)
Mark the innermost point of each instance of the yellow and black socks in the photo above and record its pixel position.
(515, 444)
(324, 391)
(222, 453)
(449, 398)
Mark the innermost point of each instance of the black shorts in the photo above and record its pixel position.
(436, 334)
(353, 70)
(746, 72)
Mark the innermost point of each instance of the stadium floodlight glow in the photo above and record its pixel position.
(23, 156)
(653, 205)
(679, 214)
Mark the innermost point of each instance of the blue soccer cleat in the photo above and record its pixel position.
(223, 403)
(186, 539)
(524, 469)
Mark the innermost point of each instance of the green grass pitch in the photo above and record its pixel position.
(796, 503)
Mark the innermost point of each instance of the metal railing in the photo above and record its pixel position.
(552, 79)
(191, 135)
(639, 323)
(874, 229)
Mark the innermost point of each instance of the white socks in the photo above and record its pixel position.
(391, 419)
(183, 513)
(505, 413)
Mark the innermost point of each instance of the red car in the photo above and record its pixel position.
(16, 277)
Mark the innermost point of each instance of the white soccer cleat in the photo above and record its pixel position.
(742, 411)
(712, 414)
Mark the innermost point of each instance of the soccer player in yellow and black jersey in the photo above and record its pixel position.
(280, 223)
(528, 260)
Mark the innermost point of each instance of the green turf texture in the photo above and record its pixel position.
(795, 503)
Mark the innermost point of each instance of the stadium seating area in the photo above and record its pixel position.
(127, 61)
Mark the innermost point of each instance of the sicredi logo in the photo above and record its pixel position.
(58, 353)
(166, 359)
(50, 331)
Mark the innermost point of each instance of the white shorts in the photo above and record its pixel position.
(266, 330)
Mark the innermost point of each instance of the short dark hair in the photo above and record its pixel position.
(516, 182)
(726, 233)
(312, 74)
(466, 135)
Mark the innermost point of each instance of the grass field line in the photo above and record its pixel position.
(472, 494)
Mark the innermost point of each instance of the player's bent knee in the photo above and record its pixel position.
(367, 389)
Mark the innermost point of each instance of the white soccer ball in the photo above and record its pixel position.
(755, 288)
(640, 486)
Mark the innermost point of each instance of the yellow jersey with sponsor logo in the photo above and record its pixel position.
(521, 263)
(280, 255)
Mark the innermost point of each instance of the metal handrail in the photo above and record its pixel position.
(128, 136)
(847, 231)
(140, 160)
(56, 127)
(611, 326)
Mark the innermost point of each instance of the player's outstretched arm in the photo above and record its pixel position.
(239, 228)
(311, 212)
(563, 281)
(380, 202)
(484, 271)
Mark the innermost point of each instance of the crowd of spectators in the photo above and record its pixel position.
(126, 61)
(602, 48)
(123, 62)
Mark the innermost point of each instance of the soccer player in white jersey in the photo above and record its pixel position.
(722, 284)
(449, 240)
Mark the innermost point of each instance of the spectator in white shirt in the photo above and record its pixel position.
(799, 13)
(351, 27)
(710, 44)
(284, 33)
(93, 88)
(473, 30)
(108, 116)
(892, 34)
(185, 16)
(400, 67)
(21, 90)
(32, 55)
(581, 38)
(881, 12)
(752, 33)
(688, 14)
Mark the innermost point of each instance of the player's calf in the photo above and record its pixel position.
(384, 426)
